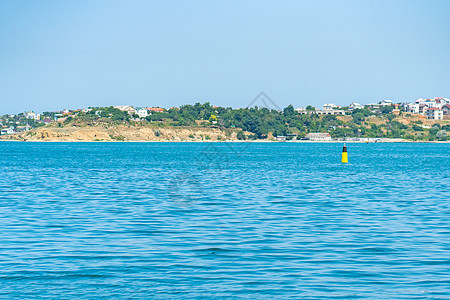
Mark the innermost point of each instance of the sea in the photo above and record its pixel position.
(224, 221)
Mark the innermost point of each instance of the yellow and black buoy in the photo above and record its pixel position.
(344, 155)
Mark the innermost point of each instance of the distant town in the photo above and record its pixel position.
(332, 125)
(435, 109)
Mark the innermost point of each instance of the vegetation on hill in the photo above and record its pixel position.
(262, 123)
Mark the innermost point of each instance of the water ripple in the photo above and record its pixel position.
(281, 220)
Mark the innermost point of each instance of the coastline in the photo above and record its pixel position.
(147, 134)
(229, 141)
(90, 127)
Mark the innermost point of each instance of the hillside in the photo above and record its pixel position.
(203, 122)
(123, 133)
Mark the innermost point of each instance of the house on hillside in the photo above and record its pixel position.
(386, 103)
(436, 102)
(373, 106)
(319, 136)
(30, 114)
(355, 105)
(142, 112)
(129, 109)
(413, 108)
(328, 109)
(331, 109)
(434, 113)
(330, 106)
(155, 109)
(9, 130)
(446, 111)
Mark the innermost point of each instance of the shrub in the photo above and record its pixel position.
(442, 135)
(241, 135)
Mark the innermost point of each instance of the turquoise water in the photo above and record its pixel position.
(228, 220)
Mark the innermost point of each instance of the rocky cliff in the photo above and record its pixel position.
(123, 133)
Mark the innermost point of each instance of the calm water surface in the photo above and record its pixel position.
(234, 220)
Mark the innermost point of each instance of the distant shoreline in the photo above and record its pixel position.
(224, 142)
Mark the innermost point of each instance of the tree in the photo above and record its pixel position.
(68, 120)
(289, 111)
(387, 109)
(442, 135)
(261, 132)
(390, 117)
(417, 128)
(358, 117)
(434, 131)
(241, 135)
(213, 118)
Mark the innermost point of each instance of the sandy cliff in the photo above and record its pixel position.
(123, 133)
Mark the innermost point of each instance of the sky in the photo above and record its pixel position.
(77, 54)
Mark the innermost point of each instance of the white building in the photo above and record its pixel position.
(32, 115)
(127, 108)
(327, 111)
(330, 106)
(421, 106)
(436, 102)
(331, 109)
(373, 105)
(319, 136)
(441, 102)
(446, 110)
(413, 108)
(355, 105)
(434, 113)
(386, 103)
(9, 130)
(142, 112)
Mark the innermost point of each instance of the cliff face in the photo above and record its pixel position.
(123, 133)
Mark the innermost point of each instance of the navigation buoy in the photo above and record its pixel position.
(344, 155)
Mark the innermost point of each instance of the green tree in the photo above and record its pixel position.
(289, 111)
(386, 109)
(241, 135)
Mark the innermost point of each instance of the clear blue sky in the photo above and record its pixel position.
(75, 54)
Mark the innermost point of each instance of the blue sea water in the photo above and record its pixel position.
(224, 220)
